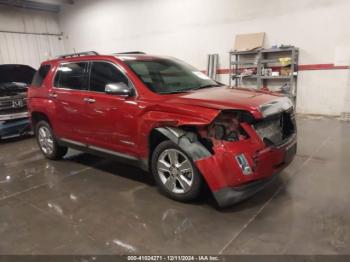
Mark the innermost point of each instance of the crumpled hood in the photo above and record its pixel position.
(222, 98)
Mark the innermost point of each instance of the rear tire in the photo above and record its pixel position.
(47, 142)
(175, 173)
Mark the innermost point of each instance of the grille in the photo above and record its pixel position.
(13, 105)
(276, 129)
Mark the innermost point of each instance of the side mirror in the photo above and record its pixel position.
(120, 89)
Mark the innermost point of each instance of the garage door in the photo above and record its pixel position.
(30, 49)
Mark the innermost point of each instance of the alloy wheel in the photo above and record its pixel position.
(45, 140)
(175, 171)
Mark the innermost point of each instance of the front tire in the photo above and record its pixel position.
(47, 142)
(175, 173)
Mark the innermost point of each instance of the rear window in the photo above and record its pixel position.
(40, 75)
(71, 76)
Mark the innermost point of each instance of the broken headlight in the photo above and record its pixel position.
(227, 126)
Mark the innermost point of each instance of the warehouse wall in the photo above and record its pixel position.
(27, 37)
(190, 29)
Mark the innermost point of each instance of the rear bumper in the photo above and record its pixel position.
(14, 128)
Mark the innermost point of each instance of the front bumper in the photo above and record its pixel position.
(225, 177)
(232, 195)
(14, 116)
(13, 128)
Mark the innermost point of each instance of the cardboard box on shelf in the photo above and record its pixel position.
(286, 71)
(249, 42)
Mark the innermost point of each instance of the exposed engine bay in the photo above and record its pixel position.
(227, 126)
(273, 130)
(12, 89)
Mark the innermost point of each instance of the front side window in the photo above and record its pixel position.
(166, 76)
(102, 74)
(72, 76)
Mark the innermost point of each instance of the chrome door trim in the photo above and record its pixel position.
(110, 152)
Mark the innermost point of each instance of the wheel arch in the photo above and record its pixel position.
(37, 116)
(188, 141)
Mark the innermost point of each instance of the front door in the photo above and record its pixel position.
(112, 119)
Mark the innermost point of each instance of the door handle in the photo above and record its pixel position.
(89, 100)
(52, 95)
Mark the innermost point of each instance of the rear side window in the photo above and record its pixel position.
(102, 74)
(71, 76)
(40, 75)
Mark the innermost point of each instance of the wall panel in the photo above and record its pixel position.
(17, 48)
(190, 29)
(34, 38)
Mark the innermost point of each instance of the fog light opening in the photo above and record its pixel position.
(243, 164)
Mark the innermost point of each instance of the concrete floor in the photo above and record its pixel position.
(89, 205)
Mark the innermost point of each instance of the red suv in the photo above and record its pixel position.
(166, 117)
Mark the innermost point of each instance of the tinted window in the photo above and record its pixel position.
(103, 74)
(41, 75)
(165, 76)
(71, 76)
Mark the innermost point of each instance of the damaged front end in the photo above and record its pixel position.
(238, 154)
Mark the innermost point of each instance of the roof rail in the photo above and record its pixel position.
(78, 54)
(131, 53)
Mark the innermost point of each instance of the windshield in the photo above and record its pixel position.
(167, 76)
(16, 74)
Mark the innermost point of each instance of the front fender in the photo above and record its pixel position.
(187, 141)
(180, 117)
(170, 117)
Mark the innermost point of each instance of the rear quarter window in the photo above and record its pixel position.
(40, 75)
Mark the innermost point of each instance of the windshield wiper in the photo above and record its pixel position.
(175, 92)
(206, 86)
(192, 89)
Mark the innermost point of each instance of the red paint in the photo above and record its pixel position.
(222, 170)
(124, 125)
(322, 67)
(310, 67)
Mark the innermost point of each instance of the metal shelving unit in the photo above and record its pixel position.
(258, 60)
(241, 60)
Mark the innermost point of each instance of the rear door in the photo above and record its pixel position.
(111, 119)
(68, 94)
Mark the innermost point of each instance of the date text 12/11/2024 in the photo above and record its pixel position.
(173, 258)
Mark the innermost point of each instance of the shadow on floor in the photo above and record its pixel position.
(113, 167)
(206, 198)
(15, 139)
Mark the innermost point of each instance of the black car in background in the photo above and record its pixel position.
(14, 81)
